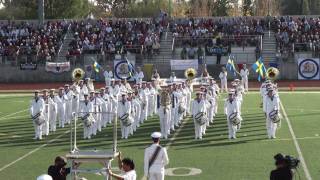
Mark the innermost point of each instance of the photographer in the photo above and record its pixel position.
(284, 167)
(58, 171)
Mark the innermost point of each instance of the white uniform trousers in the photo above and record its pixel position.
(87, 132)
(45, 126)
(232, 130)
(173, 118)
(68, 112)
(124, 130)
(156, 176)
(198, 129)
(38, 131)
(61, 116)
(144, 113)
(224, 86)
(271, 128)
(164, 114)
(53, 120)
(244, 82)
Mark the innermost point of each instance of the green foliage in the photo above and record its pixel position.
(221, 8)
(295, 7)
(247, 8)
(54, 9)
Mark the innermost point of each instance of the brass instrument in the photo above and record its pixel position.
(77, 74)
(272, 73)
(190, 73)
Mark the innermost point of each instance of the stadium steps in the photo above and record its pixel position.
(65, 46)
(269, 47)
(165, 50)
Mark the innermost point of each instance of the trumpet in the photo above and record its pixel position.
(190, 73)
(272, 73)
(77, 74)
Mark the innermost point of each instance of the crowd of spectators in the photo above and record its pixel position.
(38, 44)
(294, 34)
(239, 31)
(117, 36)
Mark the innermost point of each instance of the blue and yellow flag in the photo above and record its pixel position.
(231, 67)
(130, 68)
(96, 67)
(259, 68)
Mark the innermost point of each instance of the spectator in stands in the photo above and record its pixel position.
(192, 53)
(200, 54)
(183, 54)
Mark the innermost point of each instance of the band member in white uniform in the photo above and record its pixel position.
(155, 159)
(53, 111)
(231, 106)
(61, 99)
(37, 109)
(124, 107)
(139, 76)
(83, 90)
(46, 113)
(198, 106)
(86, 108)
(136, 109)
(144, 94)
(76, 98)
(173, 77)
(69, 94)
(151, 99)
(223, 78)
(104, 107)
(108, 75)
(164, 106)
(244, 73)
(272, 103)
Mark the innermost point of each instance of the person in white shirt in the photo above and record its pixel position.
(37, 110)
(69, 94)
(155, 159)
(144, 94)
(86, 109)
(108, 75)
(272, 103)
(124, 109)
(198, 106)
(47, 104)
(244, 73)
(61, 106)
(127, 167)
(231, 106)
(83, 90)
(139, 75)
(53, 112)
(173, 77)
(223, 78)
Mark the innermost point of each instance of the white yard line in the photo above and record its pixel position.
(288, 92)
(288, 109)
(33, 151)
(176, 133)
(4, 117)
(15, 117)
(303, 163)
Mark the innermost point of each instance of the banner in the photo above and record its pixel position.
(184, 64)
(214, 50)
(58, 67)
(28, 66)
(121, 69)
(308, 69)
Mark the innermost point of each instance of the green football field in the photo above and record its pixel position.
(249, 157)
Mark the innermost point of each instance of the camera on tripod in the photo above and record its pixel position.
(289, 161)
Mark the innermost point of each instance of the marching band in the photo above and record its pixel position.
(134, 105)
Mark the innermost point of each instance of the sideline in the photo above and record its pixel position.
(303, 163)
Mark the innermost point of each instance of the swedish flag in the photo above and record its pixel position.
(259, 68)
(96, 66)
(231, 67)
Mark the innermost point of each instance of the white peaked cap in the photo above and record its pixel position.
(44, 177)
(156, 135)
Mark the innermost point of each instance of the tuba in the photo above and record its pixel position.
(77, 74)
(190, 73)
(272, 73)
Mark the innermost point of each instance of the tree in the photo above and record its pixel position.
(294, 7)
(221, 7)
(247, 8)
(54, 9)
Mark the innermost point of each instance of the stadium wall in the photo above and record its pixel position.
(12, 74)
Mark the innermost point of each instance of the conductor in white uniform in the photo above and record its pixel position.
(155, 159)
